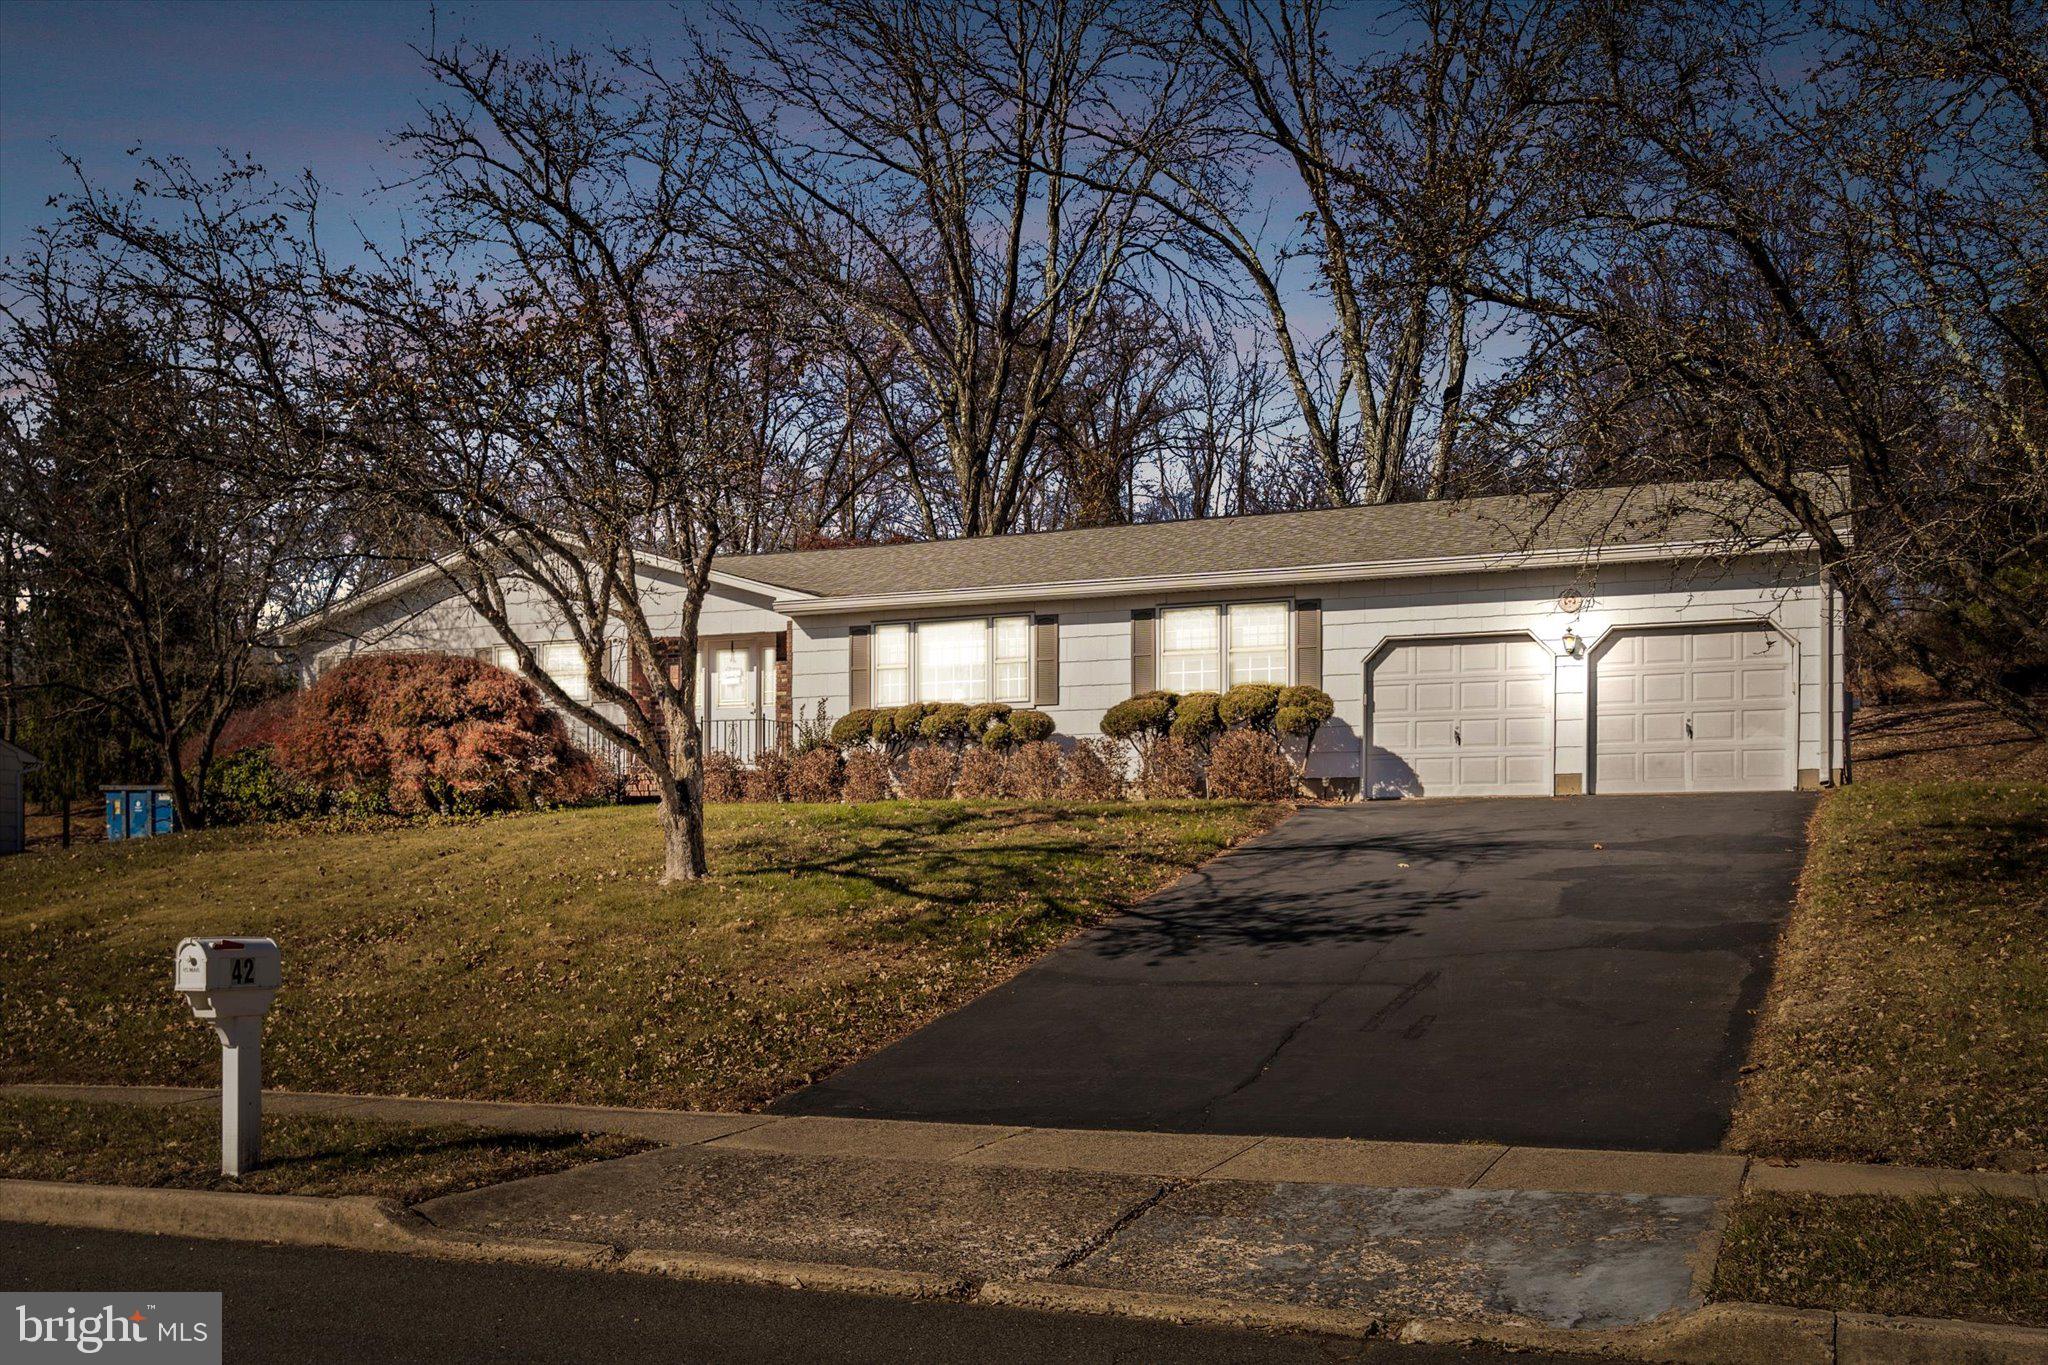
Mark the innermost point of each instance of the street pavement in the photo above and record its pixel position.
(309, 1306)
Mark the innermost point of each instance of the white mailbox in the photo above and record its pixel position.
(230, 982)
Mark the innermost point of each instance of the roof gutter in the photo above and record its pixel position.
(811, 605)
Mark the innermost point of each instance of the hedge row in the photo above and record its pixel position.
(951, 725)
(1245, 765)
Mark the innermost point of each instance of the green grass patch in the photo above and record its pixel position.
(178, 1147)
(1907, 1020)
(1970, 1256)
(534, 957)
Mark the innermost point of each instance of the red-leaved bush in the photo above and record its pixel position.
(1095, 772)
(1034, 771)
(723, 780)
(981, 775)
(867, 776)
(768, 778)
(816, 775)
(432, 732)
(1247, 765)
(928, 774)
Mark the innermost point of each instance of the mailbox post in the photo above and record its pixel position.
(230, 982)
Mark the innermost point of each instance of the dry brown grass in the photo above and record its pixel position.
(534, 957)
(1943, 741)
(1908, 1014)
(178, 1147)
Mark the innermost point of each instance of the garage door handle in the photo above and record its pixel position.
(1457, 734)
(1688, 727)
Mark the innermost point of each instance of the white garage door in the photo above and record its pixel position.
(1461, 717)
(1701, 710)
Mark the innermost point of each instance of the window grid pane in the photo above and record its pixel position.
(1188, 672)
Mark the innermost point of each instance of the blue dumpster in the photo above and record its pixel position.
(139, 812)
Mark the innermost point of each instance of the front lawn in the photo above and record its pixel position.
(1907, 1020)
(533, 957)
(178, 1147)
(1964, 1257)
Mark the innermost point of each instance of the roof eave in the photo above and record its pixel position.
(1137, 585)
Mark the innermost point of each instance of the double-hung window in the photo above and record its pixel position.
(1258, 643)
(891, 665)
(1206, 649)
(1012, 635)
(1187, 649)
(561, 660)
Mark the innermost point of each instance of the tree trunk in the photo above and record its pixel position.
(682, 833)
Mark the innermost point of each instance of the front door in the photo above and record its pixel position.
(733, 689)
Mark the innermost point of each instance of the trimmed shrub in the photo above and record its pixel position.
(433, 732)
(910, 718)
(1135, 718)
(929, 774)
(1172, 771)
(1095, 772)
(981, 775)
(1196, 720)
(979, 718)
(768, 778)
(1247, 765)
(1301, 713)
(947, 725)
(998, 736)
(722, 778)
(1249, 706)
(854, 728)
(247, 787)
(816, 775)
(1029, 727)
(1033, 772)
(866, 777)
(882, 726)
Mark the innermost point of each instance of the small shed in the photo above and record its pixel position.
(15, 763)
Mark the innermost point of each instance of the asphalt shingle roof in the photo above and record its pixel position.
(1716, 512)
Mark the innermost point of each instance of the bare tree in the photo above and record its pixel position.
(962, 179)
(1832, 262)
(1414, 163)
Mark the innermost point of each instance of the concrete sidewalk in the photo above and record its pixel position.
(1186, 1156)
(1597, 1252)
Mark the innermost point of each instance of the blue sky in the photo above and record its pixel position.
(308, 84)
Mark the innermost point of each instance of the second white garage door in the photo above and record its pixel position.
(1709, 709)
(1460, 717)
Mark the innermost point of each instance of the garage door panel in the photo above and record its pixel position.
(1661, 687)
(1467, 717)
(1713, 725)
(1705, 709)
(1759, 682)
(1714, 684)
(1662, 727)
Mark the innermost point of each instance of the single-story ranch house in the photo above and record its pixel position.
(1667, 638)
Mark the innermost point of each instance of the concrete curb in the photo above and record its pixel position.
(1718, 1334)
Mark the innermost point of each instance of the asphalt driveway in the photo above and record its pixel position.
(1578, 972)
